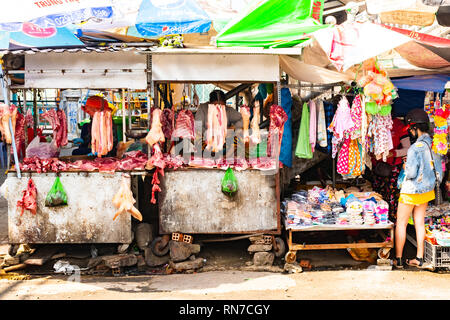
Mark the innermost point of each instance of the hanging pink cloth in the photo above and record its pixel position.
(312, 124)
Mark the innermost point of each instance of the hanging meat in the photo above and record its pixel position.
(19, 136)
(156, 161)
(29, 197)
(101, 133)
(255, 137)
(156, 182)
(58, 121)
(245, 112)
(155, 134)
(167, 119)
(277, 119)
(217, 127)
(124, 201)
(184, 127)
(6, 113)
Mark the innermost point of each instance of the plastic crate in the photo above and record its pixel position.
(436, 255)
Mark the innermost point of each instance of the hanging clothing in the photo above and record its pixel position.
(312, 124)
(343, 159)
(342, 122)
(286, 142)
(303, 148)
(321, 125)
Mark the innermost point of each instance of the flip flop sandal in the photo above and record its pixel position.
(398, 263)
(420, 265)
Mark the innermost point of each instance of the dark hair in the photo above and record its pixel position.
(217, 95)
(423, 126)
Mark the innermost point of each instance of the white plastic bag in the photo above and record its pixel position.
(42, 149)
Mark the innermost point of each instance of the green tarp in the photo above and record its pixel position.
(273, 24)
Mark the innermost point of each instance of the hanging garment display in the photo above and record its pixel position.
(440, 116)
(303, 149)
(312, 124)
(342, 122)
(321, 125)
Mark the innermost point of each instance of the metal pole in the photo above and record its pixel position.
(13, 140)
(123, 117)
(129, 109)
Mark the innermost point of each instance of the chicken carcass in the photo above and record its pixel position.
(28, 201)
(255, 137)
(155, 134)
(245, 112)
(124, 201)
(217, 127)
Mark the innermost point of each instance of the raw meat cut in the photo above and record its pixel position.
(184, 127)
(40, 165)
(57, 119)
(245, 112)
(202, 163)
(277, 119)
(124, 201)
(217, 127)
(7, 112)
(173, 162)
(236, 163)
(255, 137)
(29, 120)
(167, 121)
(264, 163)
(134, 160)
(101, 133)
(155, 182)
(157, 159)
(19, 136)
(155, 134)
(28, 201)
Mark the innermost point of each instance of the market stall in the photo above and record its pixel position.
(91, 198)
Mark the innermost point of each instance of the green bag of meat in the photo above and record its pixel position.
(57, 195)
(229, 183)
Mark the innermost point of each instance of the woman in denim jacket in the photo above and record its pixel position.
(422, 167)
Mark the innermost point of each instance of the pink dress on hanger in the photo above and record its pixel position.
(341, 124)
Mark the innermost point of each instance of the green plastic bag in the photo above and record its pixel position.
(229, 183)
(303, 149)
(57, 195)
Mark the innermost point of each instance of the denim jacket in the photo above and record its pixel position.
(419, 173)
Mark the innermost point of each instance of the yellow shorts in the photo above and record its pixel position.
(417, 199)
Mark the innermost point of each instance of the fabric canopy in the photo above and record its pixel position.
(435, 83)
(309, 73)
(273, 23)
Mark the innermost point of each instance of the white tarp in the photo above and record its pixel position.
(86, 70)
(378, 6)
(310, 73)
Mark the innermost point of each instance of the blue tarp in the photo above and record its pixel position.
(435, 83)
(286, 142)
(406, 101)
(159, 18)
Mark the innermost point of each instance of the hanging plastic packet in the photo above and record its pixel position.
(229, 183)
(57, 195)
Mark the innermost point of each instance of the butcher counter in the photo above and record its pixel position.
(88, 217)
(192, 202)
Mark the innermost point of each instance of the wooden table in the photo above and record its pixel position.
(294, 247)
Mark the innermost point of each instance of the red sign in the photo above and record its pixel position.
(317, 8)
(33, 30)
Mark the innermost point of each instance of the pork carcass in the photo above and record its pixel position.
(19, 136)
(155, 134)
(124, 201)
(58, 121)
(184, 127)
(217, 127)
(101, 133)
(29, 197)
(167, 122)
(245, 112)
(277, 120)
(255, 137)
